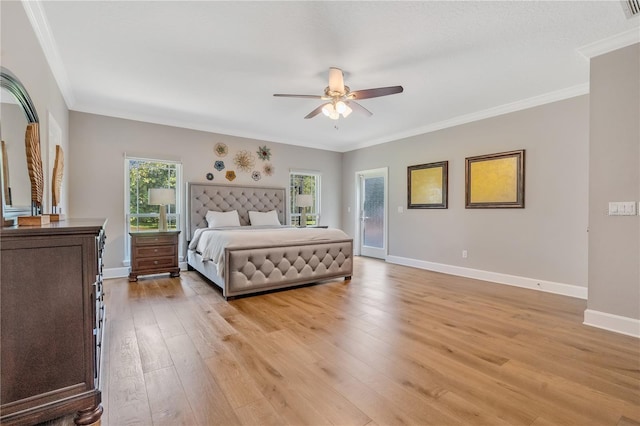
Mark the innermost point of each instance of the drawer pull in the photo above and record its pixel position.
(155, 262)
(155, 250)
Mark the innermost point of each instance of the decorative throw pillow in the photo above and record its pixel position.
(220, 219)
(264, 219)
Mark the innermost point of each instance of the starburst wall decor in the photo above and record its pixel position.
(244, 161)
(264, 153)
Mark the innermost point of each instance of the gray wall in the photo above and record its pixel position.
(96, 167)
(21, 53)
(547, 240)
(614, 241)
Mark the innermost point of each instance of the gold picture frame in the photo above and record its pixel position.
(495, 180)
(427, 186)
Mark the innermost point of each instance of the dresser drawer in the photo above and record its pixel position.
(153, 240)
(154, 251)
(155, 263)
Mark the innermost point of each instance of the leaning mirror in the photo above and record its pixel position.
(18, 120)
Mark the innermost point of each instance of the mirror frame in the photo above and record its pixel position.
(14, 86)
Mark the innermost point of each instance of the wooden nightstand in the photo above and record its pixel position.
(153, 253)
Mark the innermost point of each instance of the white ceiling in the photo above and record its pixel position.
(214, 66)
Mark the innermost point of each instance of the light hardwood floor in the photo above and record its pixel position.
(395, 345)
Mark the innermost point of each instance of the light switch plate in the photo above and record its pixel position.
(622, 208)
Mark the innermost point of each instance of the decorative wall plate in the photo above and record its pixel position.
(264, 153)
(219, 165)
(209, 176)
(221, 149)
(231, 175)
(256, 175)
(268, 169)
(244, 161)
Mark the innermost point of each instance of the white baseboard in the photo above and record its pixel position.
(611, 322)
(514, 280)
(109, 273)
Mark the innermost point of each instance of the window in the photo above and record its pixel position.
(142, 174)
(301, 182)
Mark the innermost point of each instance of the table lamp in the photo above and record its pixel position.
(304, 201)
(162, 197)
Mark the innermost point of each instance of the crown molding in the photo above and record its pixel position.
(35, 14)
(609, 44)
(558, 95)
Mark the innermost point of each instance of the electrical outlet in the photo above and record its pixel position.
(464, 254)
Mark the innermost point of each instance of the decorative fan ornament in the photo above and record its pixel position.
(56, 181)
(341, 100)
(34, 166)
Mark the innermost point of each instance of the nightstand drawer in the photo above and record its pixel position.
(155, 251)
(155, 263)
(153, 240)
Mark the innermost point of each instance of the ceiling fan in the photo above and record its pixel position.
(340, 99)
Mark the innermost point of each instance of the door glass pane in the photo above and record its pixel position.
(373, 208)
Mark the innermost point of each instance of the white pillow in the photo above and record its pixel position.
(264, 219)
(219, 219)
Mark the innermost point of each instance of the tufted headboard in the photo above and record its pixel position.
(202, 197)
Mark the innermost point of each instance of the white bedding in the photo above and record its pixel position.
(211, 242)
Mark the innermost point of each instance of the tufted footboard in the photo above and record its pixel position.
(255, 269)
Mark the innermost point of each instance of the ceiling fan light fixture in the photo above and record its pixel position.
(337, 96)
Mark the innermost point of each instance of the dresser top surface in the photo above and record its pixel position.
(67, 226)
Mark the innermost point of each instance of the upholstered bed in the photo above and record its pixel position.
(254, 266)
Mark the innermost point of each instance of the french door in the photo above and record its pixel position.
(372, 212)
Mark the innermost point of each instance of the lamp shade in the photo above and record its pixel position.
(162, 196)
(304, 200)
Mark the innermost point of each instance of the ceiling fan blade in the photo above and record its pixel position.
(374, 93)
(315, 112)
(283, 95)
(357, 107)
(336, 80)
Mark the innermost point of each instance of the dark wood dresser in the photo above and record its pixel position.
(51, 321)
(154, 252)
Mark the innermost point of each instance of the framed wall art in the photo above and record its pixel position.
(495, 180)
(428, 185)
